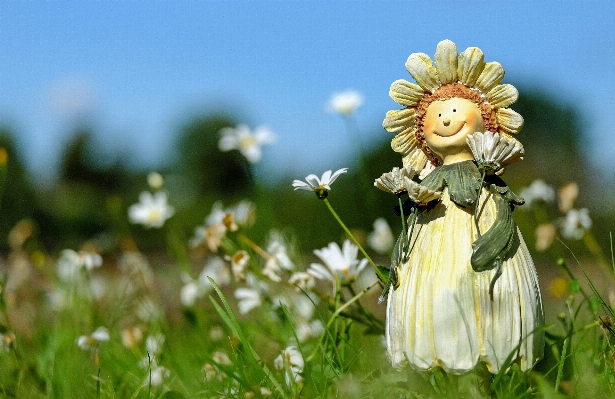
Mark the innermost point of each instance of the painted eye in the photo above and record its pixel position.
(454, 110)
(439, 115)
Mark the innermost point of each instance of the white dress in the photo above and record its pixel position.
(441, 314)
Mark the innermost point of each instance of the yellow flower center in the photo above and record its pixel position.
(247, 142)
(153, 215)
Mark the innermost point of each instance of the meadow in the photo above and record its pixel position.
(208, 284)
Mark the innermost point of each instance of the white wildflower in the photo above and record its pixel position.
(303, 280)
(157, 375)
(248, 299)
(292, 362)
(239, 262)
(381, 239)
(309, 329)
(277, 249)
(537, 191)
(345, 103)
(193, 289)
(278, 257)
(248, 143)
(340, 263)
(151, 210)
(148, 311)
(154, 343)
(320, 186)
(189, 293)
(71, 263)
(574, 225)
(218, 270)
(219, 358)
(91, 342)
(221, 220)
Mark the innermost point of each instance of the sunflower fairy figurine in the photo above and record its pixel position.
(463, 288)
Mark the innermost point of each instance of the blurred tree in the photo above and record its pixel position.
(18, 196)
(79, 164)
(75, 208)
(552, 136)
(224, 174)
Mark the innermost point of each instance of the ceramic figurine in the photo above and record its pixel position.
(464, 287)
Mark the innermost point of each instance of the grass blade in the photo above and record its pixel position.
(562, 360)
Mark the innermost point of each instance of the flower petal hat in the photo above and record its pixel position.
(464, 75)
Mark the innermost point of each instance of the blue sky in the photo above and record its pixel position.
(138, 70)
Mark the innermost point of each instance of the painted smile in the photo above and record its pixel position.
(451, 135)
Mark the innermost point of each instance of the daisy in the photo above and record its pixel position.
(247, 142)
(278, 257)
(91, 342)
(536, 192)
(339, 263)
(71, 263)
(381, 239)
(157, 375)
(574, 225)
(345, 103)
(320, 186)
(248, 299)
(151, 210)
(292, 361)
(303, 281)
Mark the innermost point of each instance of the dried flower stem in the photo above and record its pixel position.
(255, 247)
(406, 249)
(480, 189)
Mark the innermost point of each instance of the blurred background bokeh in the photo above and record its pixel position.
(94, 96)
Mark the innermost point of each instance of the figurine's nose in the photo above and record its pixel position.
(446, 121)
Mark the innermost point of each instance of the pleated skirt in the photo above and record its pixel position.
(441, 314)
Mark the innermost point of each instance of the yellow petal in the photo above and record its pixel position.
(422, 70)
(406, 93)
(446, 61)
(397, 121)
(509, 120)
(471, 64)
(491, 76)
(416, 159)
(502, 96)
(404, 142)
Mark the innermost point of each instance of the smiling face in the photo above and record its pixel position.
(446, 125)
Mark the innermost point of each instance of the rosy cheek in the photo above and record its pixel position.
(427, 127)
(471, 119)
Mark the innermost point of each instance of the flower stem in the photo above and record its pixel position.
(255, 247)
(403, 219)
(335, 315)
(352, 237)
(406, 246)
(480, 189)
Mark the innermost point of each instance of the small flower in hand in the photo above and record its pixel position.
(493, 151)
